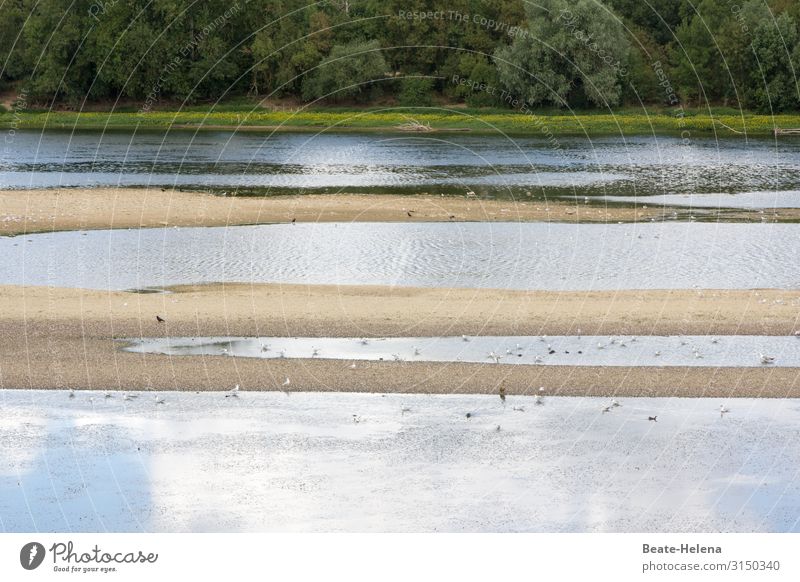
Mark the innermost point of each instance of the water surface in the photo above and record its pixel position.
(373, 463)
(492, 166)
(647, 351)
(669, 255)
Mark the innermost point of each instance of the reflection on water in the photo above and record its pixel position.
(742, 350)
(479, 255)
(488, 165)
(268, 462)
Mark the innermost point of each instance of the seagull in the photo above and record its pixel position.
(723, 411)
(714, 340)
(767, 359)
(606, 409)
(364, 341)
(234, 392)
(71, 393)
(657, 354)
(518, 408)
(356, 418)
(159, 399)
(128, 396)
(797, 334)
(107, 394)
(615, 404)
(265, 348)
(538, 400)
(600, 346)
(464, 338)
(495, 357)
(353, 366)
(404, 410)
(314, 352)
(160, 319)
(653, 418)
(287, 381)
(541, 388)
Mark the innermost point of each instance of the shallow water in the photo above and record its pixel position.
(489, 165)
(648, 351)
(505, 255)
(270, 462)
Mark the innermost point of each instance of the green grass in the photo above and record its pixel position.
(546, 123)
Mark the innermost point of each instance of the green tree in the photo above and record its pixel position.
(575, 51)
(349, 72)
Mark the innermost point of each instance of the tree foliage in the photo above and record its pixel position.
(568, 53)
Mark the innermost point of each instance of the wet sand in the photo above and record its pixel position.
(29, 211)
(59, 338)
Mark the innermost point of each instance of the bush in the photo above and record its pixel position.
(416, 91)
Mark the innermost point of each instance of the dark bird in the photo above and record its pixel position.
(469, 415)
(294, 220)
(409, 213)
(653, 418)
(160, 319)
(502, 393)
(452, 216)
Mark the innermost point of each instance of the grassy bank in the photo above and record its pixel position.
(723, 122)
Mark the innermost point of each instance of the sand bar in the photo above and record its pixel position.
(29, 211)
(58, 338)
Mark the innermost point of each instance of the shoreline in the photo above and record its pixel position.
(69, 338)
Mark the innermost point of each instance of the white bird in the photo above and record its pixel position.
(538, 400)
(72, 393)
(697, 354)
(159, 399)
(107, 394)
(265, 348)
(614, 403)
(353, 366)
(287, 381)
(397, 358)
(657, 354)
(722, 410)
(364, 341)
(767, 359)
(714, 340)
(600, 346)
(233, 392)
(495, 357)
(127, 397)
(464, 338)
(541, 388)
(797, 334)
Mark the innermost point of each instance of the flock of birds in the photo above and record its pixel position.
(518, 350)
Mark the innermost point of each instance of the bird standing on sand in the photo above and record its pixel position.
(233, 392)
(502, 393)
(286, 382)
(160, 319)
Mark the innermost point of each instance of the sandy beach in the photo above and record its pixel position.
(29, 211)
(59, 338)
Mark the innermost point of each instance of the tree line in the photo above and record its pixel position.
(495, 53)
